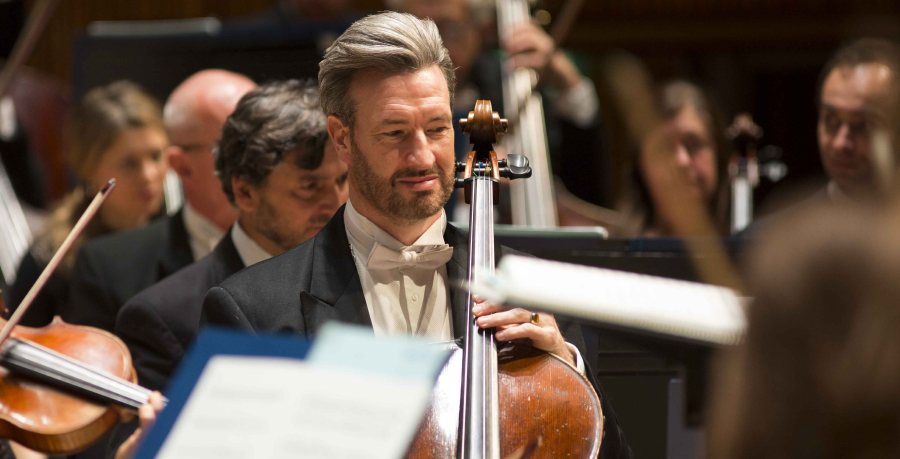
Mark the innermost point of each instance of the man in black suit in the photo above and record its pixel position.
(110, 270)
(284, 177)
(386, 259)
(286, 182)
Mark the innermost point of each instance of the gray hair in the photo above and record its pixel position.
(390, 42)
(270, 122)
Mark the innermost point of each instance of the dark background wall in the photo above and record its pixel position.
(758, 56)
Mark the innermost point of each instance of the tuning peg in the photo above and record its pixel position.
(460, 166)
(459, 183)
(514, 167)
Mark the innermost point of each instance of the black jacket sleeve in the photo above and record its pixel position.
(155, 351)
(89, 300)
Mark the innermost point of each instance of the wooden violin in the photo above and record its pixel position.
(520, 402)
(63, 386)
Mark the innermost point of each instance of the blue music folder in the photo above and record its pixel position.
(211, 342)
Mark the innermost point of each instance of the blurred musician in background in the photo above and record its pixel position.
(696, 130)
(859, 94)
(818, 374)
(573, 119)
(115, 131)
(111, 270)
(282, 174)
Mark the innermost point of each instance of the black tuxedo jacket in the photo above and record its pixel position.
(315, 282)
(110, 270)
(159, 323)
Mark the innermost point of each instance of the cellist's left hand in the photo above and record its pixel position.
(517, 323)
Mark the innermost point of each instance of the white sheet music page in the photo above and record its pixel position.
(691, 310)
(252, 407)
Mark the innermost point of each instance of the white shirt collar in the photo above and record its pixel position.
(203, 234)
(250, 252)
(364, 234)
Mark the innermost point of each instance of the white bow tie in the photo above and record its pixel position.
(425, 257)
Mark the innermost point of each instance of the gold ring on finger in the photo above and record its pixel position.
(535, 318)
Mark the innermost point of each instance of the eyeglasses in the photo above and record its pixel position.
(196, 147)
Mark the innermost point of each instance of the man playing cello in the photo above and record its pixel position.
(386, 258)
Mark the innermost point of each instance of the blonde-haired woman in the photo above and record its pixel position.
(115, 131)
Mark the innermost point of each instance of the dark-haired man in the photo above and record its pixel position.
(386, 259)
(286, 182)
(279, 171)
(859, 96)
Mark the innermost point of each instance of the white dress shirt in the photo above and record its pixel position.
(406, 300)
(202, 233)
(250, 252)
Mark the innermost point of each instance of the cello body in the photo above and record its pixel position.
(495, 401)
(541, 397)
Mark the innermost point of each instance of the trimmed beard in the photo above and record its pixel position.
(382, 194)
(276, 226)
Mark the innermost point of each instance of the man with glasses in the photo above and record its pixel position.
(858, 99)
(110, 270)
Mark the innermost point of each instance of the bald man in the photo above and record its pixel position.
(194, 115)
(110, 270)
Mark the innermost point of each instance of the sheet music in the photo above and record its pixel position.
(251, 407)
(690, 310)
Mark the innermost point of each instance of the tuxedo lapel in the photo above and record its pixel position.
(229, 260)
(457, 269)
(335, 292)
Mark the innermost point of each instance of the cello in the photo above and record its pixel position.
(519, 401)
